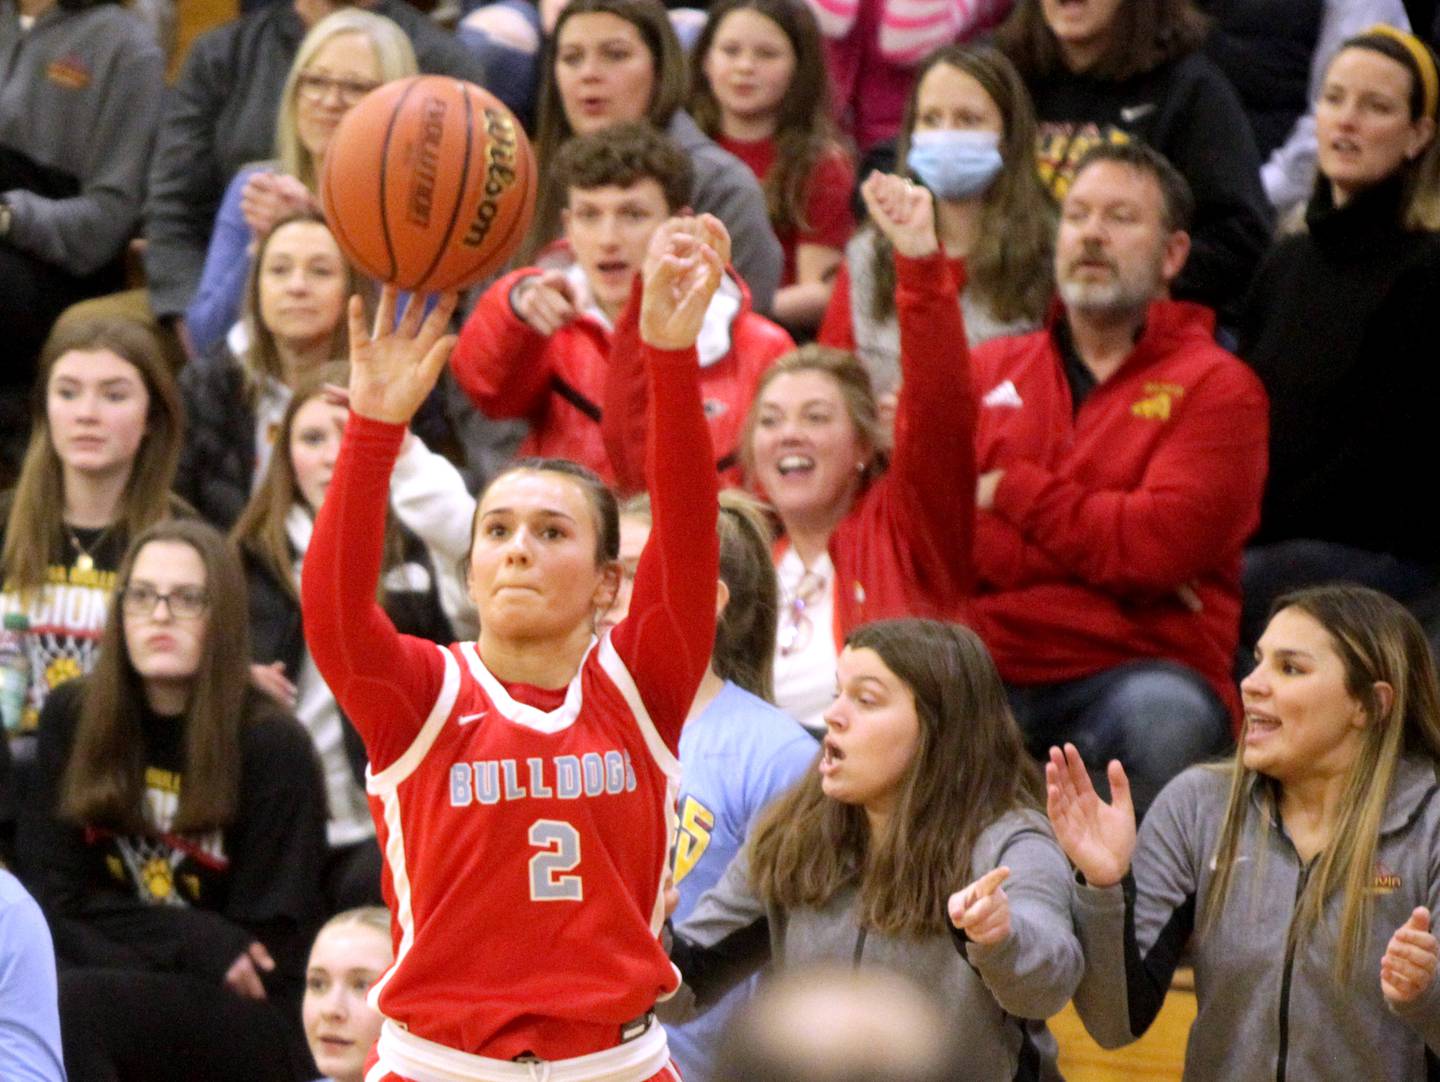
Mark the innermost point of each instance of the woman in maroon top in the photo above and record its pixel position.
(760, 90)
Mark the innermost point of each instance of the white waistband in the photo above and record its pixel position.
(425, 1061)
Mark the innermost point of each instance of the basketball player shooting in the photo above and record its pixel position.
(523, 785)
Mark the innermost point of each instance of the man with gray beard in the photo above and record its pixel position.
(1122, 457)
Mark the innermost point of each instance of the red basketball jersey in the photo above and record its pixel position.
(524, 857)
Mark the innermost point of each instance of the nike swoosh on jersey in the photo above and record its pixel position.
(1131, 113)
(466, 719)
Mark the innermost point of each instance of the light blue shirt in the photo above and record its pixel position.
(736, 757)
(29, 1003)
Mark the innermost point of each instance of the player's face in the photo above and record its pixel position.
(301, 285)
(634, 533)
(96, 405)
(604, 72)
(807, 452)
(339, 1025)
(165, 647)
(338, 75)
(1301, 722)
(749, 65)
(950, 99)
(1362, 121)
(533, 573)
(871, 733)
(609, 229)
(315, 435)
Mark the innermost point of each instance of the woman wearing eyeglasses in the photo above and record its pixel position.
(176, 833)
(869, 533)
(344, 56)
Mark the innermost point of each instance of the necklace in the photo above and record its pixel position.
(83, 560)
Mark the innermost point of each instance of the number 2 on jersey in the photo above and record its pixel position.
(560, 843)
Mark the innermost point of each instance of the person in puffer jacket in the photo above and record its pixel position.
(539, 342)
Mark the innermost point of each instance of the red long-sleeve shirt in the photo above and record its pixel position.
(525, 830)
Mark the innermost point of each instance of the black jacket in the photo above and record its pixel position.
(1189, 112)
(1340, 327)
(1265, 48)
(217, 460)
(276, 633)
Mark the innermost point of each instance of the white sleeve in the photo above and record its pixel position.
(430, 499)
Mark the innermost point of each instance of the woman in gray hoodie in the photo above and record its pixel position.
(1302, 877)
(892, 853)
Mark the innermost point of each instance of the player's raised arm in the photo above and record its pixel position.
(385, 682)
(666, 639)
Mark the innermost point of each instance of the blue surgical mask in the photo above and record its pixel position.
(955, 164)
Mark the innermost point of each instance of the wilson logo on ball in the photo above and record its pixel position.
(429, 183)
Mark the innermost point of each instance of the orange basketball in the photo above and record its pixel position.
(429, 183)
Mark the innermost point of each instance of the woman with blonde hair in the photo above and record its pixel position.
(351, 952)
(343, 57)
(1301, 879)
(105, 437)
(293, 322)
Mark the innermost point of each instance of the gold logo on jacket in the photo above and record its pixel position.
(1159, 400)
(1385, 881)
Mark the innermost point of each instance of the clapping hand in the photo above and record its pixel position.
(1098, 838)
(982, 910)
(904, 212)
(684, 263)
(392, 372)
(1408, 967)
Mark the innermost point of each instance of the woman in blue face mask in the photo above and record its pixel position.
(969, 137)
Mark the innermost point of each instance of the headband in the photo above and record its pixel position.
(1424, 63)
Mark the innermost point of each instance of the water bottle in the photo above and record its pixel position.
(14, 670)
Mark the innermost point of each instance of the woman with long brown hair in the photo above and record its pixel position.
(420, 583)
(105, 436)
(968, 135)
(615, 61)
(894, 850)
(760, 89)
(1301, 879)
(175, 833)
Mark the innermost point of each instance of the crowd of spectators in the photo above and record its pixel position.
(1139, 344)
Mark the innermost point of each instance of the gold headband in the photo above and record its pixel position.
(1424, 63)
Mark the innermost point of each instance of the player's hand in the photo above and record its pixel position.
(269, 197)
(1098, 838)
(243, 976)
(1408, 967)
(904, 211)
(545, 301)
(683, 266)
(982, 910)
(271, 679)
(392, 372)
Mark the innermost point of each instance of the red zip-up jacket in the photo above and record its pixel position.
(1117, 531)
(557, 383)
(904, 547)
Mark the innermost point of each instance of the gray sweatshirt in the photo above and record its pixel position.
(1262, 1015)
(80, 97)
(997, 995)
